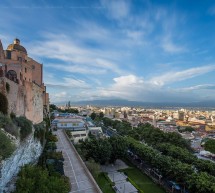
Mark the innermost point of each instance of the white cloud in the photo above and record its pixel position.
(75, 83)
(132, 87)
(75, 57)
(59, 97)
(65, 82)
(128, 80)
(171, 47)
(78, 69)
(171, 36)
(108, 65)
(199, 87)
(117, 9)
(173, 76)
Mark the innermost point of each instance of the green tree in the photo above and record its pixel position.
(101, 115)
(34, 179)
(72, 111)
(201, 183)
(53, 107)
(186, 157)
(93, 167)
(93, 115)
(119, 148)
(210, 145)
(189, 129)
(98, 149)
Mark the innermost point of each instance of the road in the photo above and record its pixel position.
(80, 179)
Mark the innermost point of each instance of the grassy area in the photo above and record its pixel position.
(104, 184)
(142, 181)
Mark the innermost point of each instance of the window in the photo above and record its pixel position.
(20, 59)
(25, 70)
(76, 135)
(11, 74)
(63, 124)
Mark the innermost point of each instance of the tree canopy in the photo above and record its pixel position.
(35, 179)
(210, 145)
(93, 116)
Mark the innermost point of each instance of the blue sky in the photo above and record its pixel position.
(153, 51)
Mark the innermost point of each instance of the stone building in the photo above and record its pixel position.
(21, 80)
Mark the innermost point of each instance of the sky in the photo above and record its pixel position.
(140, 50)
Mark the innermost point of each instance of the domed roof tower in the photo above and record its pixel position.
(1, 51)
(16, 46)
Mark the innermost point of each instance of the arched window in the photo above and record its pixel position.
(11, 74)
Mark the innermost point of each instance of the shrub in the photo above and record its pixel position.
(12, 129)
(25, 126)
(93, 167)
(12, 115)
(6, 146)
(4, 120)
(55, 155)
(8, 125)
(3, 104)
(52, 138)
(39, 132)
(46, 121)
(51, 146)
(69, 133)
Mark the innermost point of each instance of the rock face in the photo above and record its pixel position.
(28, 152)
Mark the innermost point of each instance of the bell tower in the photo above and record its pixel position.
(16, 41)
(1, 51)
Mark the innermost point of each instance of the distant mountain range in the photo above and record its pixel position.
(121, 102)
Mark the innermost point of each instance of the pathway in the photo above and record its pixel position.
(80, 178)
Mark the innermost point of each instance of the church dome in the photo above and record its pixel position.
(16, 46)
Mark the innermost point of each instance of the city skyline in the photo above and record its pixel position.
(147, 51)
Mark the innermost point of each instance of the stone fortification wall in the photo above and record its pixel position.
(15, 96)
(34, 102)
(24, 100)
